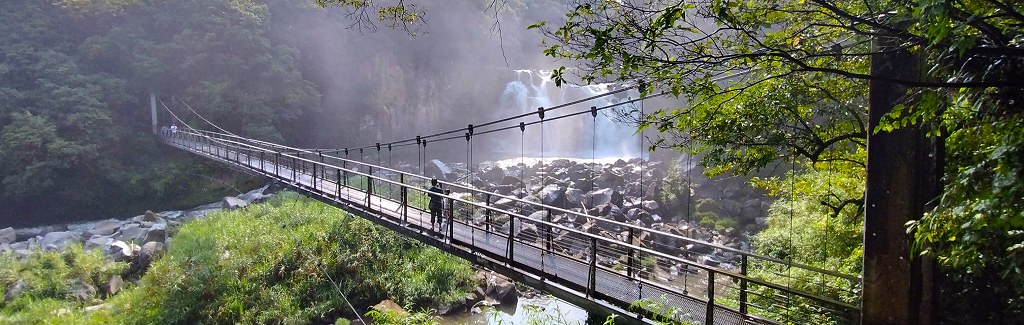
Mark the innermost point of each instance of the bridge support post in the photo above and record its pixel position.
(709, 319)
(743, 285)
(904, 169)
(152, 113)
(548, 230)
(630, 260)
(487, 214)
(369, 187)
(405, 199)
(337, 193)
(592, 272)
(511, 239)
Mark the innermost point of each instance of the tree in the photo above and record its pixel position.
(72, 123)
(722, 56)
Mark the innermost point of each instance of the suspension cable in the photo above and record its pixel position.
(506, 119)
(201, 116)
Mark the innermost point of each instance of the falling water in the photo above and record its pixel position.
(607, 135)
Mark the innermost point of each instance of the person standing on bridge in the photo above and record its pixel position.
(436, 205)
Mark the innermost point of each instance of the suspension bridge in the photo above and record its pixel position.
(621, 273)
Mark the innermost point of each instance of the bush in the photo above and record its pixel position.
(276, 262)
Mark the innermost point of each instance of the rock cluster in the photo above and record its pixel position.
(139, 240)
(621, 192)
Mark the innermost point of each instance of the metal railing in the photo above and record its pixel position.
(619, 262)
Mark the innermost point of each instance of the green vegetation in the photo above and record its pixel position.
(267, 263)
(785, 82)
(54, 281)
(77, 78)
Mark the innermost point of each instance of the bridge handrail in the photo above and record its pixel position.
(561, 210)
(541, 221)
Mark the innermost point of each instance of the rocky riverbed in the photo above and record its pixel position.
(670, 196)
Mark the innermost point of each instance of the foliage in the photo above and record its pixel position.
(770, 81)
(291, 261)
(283, 259)
(390, 317)
(49, 277)
(816, 221)
(978, 227)
(75, 73)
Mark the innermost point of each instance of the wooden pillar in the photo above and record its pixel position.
(903, 171)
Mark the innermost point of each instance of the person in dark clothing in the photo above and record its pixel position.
(436, 205)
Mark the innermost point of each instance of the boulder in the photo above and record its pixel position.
(82, 291)
(15, 290)
(232, 203)
(97, 242)
(5, 248)
(58, 240)
(501, 289)
(121, 251)
(504, 204)
(390, 306)
(438, 169)
(528, 231)
(157, 233)
(493, 174)
(574, 197)
(552, 194)
(600, 197)
(149, 252)
(103, 228)
(8, 235)
(610, 179)
(150, 216)
(22, 245)
(651, 206)
(133, 232)
(115, 285)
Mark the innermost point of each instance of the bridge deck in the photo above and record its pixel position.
(611, 287)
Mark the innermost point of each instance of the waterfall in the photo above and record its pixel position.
(571, 137)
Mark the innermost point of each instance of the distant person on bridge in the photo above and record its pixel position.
(436, 205)
(174, 129)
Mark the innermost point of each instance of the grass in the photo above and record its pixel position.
(268, 263)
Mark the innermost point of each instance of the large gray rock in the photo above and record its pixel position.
(8, 235)
(82, 291)
(232, 203)
(58, 240)
(149, 216)
(133, 232)
(157, 233)
(610, 179)
(103, 228)
(122, 251)
(438, 169)
(101, 242)
(600, 197)
(552, 195)
(115, 285)
(501, 289)
(573, 197)
(149, 252)
(15, 290)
